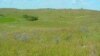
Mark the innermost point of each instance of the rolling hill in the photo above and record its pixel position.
(57, 32)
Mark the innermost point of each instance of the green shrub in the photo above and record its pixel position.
(30, 18)
(1, 15)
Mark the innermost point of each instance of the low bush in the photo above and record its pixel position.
(30, 18)
(1, 15)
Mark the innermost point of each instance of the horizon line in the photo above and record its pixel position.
(52, 8)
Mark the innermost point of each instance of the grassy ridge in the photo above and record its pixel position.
(56, 33)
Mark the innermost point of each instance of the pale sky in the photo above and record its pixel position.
(58, 4)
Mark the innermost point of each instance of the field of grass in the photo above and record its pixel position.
(56, 33)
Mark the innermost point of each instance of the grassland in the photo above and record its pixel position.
(57, 33)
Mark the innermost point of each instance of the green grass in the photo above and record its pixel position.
(6, 20)
(56, 33)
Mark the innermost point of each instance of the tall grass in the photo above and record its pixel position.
(56, 33)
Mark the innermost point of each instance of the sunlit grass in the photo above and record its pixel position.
(56, 33)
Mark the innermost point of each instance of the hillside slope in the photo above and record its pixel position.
(56, 32)
(52, 17)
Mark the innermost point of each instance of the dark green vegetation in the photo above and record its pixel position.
(49, 32)
(30, 18)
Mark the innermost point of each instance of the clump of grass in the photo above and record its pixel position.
(57, 40)
(22, 36)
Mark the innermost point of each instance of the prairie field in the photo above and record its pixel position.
(56, 32)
